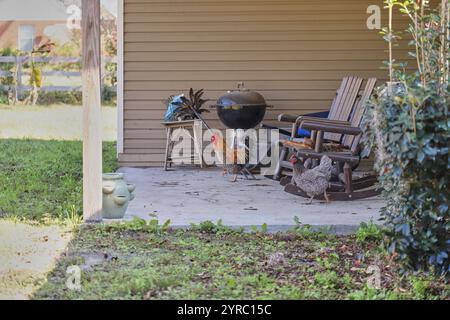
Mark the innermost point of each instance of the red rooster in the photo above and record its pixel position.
(235, 159)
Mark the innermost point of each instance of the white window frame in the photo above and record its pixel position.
(20, 37)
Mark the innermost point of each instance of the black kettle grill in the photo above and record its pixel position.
(241, 108)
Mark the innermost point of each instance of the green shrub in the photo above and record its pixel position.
(207, 226)
(4, 97)
(369, 232)
(8, 66)
(410, 127)
(414, 169)
(108, 96)
(73, 97)
(60, 97)
(7, 80)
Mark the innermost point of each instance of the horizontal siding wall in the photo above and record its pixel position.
(295, 53)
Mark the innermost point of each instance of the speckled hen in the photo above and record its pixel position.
(315, 181)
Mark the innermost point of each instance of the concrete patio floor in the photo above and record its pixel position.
(187, 196)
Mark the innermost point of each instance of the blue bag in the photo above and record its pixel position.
(172, 108)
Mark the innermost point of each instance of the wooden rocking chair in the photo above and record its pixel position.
(333, 138)
(347, 186)
(340, 112)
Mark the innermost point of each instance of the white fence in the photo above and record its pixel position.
(21, 60)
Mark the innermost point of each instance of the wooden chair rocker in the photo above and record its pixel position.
(284, 167)
(340, 112)
(346, 155)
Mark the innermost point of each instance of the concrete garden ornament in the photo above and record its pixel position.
(117, 194)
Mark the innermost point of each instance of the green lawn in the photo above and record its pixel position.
(40, 179)
(138, 261)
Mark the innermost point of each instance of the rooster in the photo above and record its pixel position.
(231, 161)
(315, 181)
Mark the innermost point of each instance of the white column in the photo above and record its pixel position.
(92, 126)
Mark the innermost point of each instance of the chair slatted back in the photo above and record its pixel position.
(349, 141)
(338, 98)
(343, 103)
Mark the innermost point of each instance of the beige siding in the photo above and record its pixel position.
(293, 52)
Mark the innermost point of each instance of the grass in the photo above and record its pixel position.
(137, 260)
(59, 122)
(43, 179)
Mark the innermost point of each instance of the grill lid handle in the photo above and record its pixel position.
(241, 86)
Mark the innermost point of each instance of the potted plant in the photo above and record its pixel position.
(183, 108)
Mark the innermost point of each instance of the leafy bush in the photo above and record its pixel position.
(7, 80)
(73, 97)
(109, 97)
(4, 97)
(369, 231)
(409, 125)
(110, 79)
(138, 224)
(8, 66)
(207, 226)
(60, 97)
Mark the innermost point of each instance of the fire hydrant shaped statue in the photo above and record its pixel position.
(117, 194)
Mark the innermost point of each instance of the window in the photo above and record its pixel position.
(26, 37)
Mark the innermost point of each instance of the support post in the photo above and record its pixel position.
(92, 139)
(18, 78)
(120, 76)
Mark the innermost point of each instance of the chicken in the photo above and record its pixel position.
(45, 47)
(315, 181)
(232, 158)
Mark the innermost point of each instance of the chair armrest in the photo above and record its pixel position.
(287, 118)
(301, 120)
(332, 128)
(293, 118)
